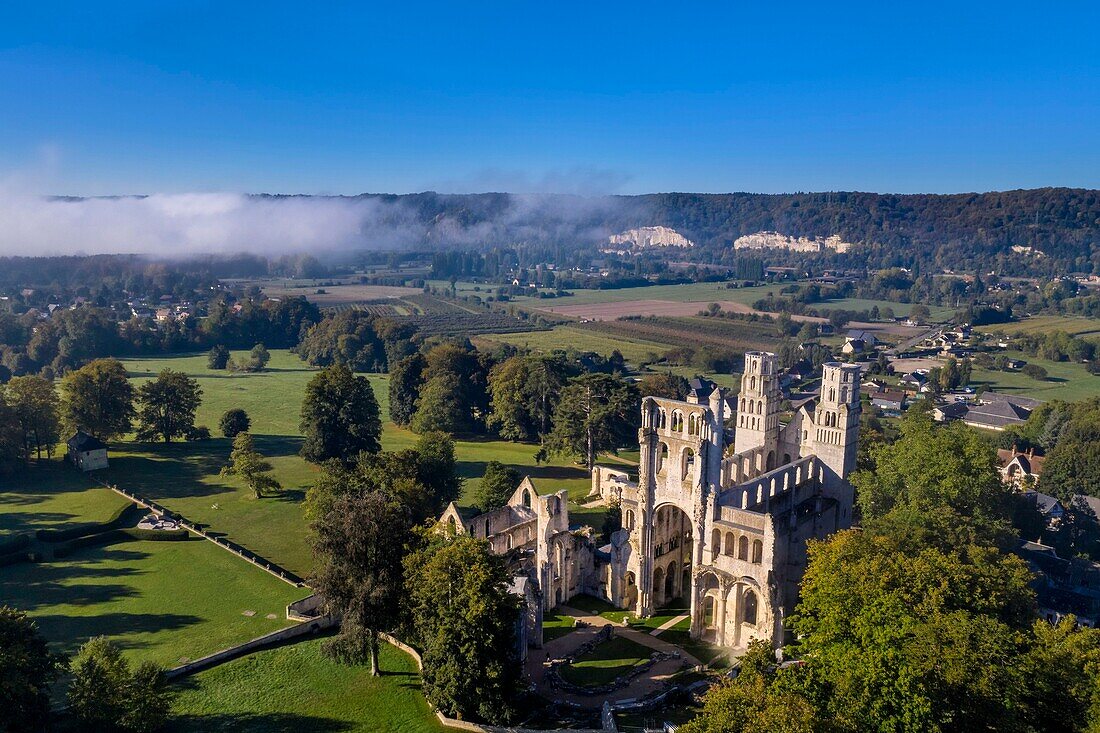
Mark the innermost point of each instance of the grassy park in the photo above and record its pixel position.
(162, 601)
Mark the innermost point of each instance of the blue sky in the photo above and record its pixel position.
(103, 98)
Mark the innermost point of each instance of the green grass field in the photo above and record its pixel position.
(50, 494)
(572, 337)
(1066, 380)
(611, 659)
(935, 312)
(1075, 325)
(162, 601)
(296, 689)
(185, 476)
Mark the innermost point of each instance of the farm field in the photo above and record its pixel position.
(296, 688)
(936, 313)
(334, 294)
(688, 293)
(635, 350)
(162, 601)
(1074, 325)
(1066, 381)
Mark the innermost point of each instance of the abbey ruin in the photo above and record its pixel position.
(725, 500)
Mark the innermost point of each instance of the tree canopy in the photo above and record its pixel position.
(167, 405)
(340, 417)
(98, 399)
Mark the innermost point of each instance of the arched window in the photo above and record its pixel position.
(750, 607)
(729, 543)
(453, 526)
(688, 463)
(662, 419)
(757, 551)
(715, 543)
(769, 464)
(662, 457)
(629, 519)
(743, 548)
(752, 383)
(742, 404)
(527, 498)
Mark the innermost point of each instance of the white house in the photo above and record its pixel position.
(86, 452)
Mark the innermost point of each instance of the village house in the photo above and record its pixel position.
(86, 452)
(1020, 468)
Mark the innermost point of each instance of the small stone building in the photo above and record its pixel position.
(87, 452)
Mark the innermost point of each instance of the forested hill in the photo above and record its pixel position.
(959, 231)
(955, 230)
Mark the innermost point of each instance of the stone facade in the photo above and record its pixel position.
(716, 520)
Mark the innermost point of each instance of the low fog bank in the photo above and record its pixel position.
(182, 225)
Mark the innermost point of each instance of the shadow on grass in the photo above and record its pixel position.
(185, 469)
(256, 723)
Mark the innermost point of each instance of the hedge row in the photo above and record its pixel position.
(118, 519)
(115, 536)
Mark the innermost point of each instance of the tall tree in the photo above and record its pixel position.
(37, 406)
(27, 668)
(340, 417)
(358, 544)
(98, 399)
(248, 463)
(498, 483)
(166, 406)
(406, 380)
(597, 412)
(454, 397)
(464, 619)
(13, 451)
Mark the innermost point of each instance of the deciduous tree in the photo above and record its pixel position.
(498, 483)
(340, 417)
(234, 422)
(166, 406)
(98, 399)
(464, 619)
(27, 669)
(248, 463)
(37, 407)
(359, 544)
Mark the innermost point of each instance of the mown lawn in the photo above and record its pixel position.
(49, 494)
(295, 689)
(1065, 380)
(162, 601)
(611, 659)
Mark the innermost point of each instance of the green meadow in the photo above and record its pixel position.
(296, 688)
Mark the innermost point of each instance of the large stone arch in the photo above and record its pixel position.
(672, 548)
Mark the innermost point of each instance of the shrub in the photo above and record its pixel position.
(199, 432)
(234, 422)
(1034, 371)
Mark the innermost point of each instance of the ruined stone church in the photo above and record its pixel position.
(725, 500)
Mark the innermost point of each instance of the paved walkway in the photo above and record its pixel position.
(642, 685)
(668, 625)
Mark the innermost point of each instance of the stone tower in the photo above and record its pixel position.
(836, 430)
(758, 403)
